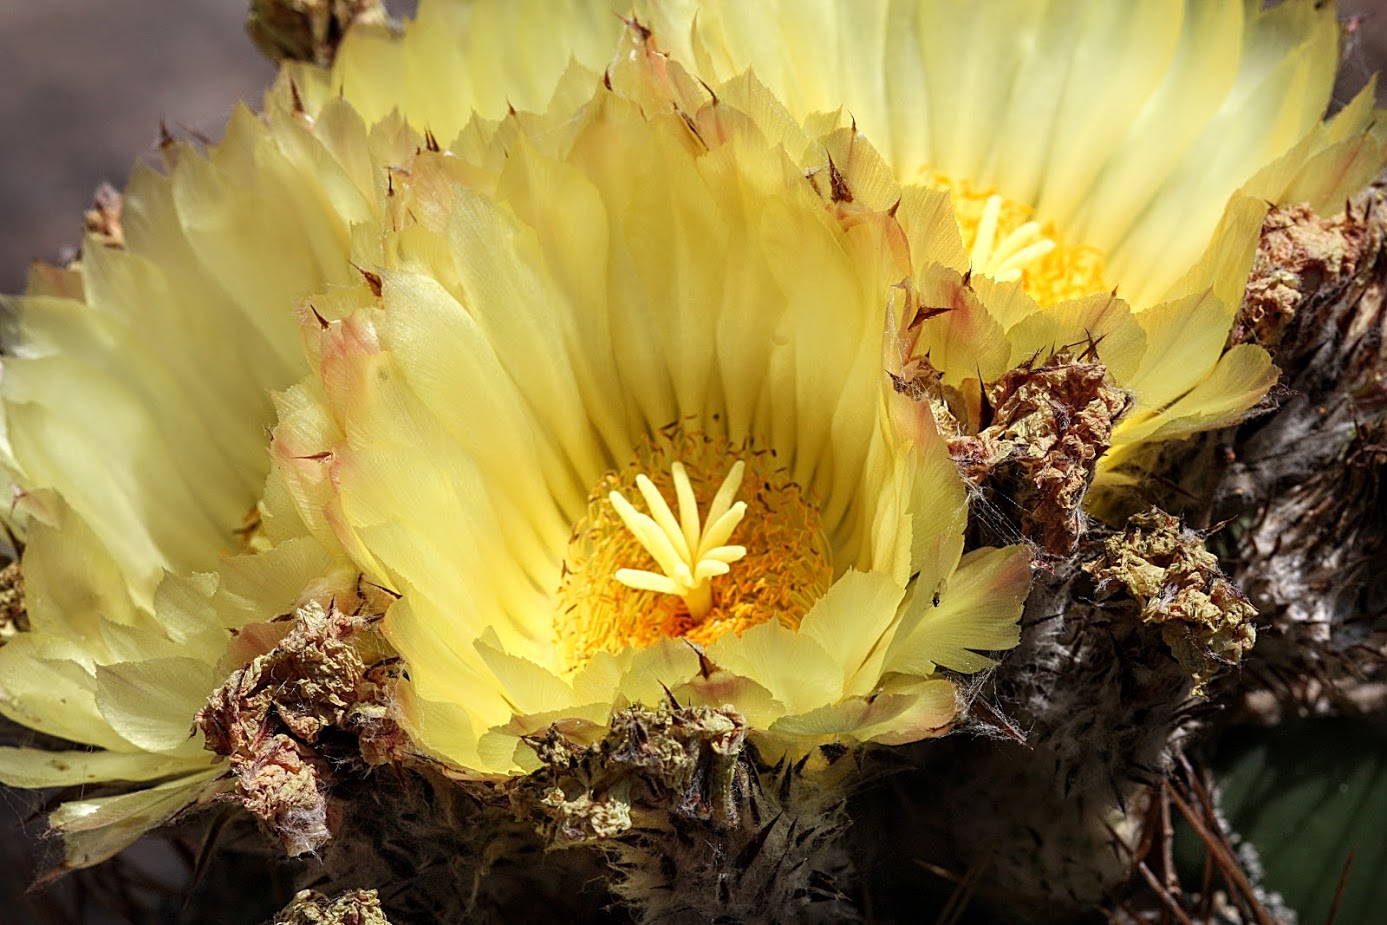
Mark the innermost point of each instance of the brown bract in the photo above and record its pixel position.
(1206, 621)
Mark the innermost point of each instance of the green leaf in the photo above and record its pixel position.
(1306, 795)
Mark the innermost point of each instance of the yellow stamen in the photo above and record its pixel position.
(1007, 244)
(633, 577)
(688, 557)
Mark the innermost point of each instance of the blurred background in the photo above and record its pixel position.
(85, 83)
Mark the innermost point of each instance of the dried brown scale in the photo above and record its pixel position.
(14, 614)
(1298, 253)
(283, 783)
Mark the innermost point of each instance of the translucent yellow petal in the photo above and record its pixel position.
(94, 830)
(936, 704)
(928, 218)
(1225, 263)
(54, 696)
(151, 703)
(449, 63)
(1007, 303)
(1103, 323)
(132, 644)
(792, 666)
(851, 621)
(71, 581)
(847, 718)
(1289, 58)
(647, 674)
(527, 687)
(32, 767)
(977, 610)
(1242, 378)
(1117, 57)
(900, 715)
(444, 666)
(1202, 70)
(441, 729)
(1331, 163)
(963, 341)
(938, 508)
(720, 688)
(1184, 340)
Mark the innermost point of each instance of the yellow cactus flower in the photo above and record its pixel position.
(136, 404)
(137, 393)
(1088, 145)
(613, 423)
(1090, 148)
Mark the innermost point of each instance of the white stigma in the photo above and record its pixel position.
(1005, 260)
(690, 554)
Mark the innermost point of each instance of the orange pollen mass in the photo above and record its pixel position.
(1005, 242)
(694, 539)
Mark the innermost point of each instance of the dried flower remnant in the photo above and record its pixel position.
(268, 716)
(1049, 422)
(14, 618)
(284, 784)
(1206, 621)
(1299, 252)
(676, 761)
(351, 907)
(309, 30)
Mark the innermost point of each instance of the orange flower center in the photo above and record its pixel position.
(1005, 242)
(693, 539)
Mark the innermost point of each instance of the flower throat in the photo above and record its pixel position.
(693, 539)
(1005, 242)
